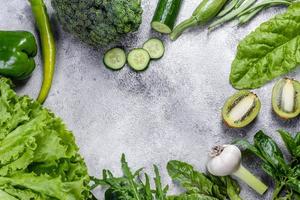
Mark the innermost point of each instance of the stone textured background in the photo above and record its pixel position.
(170, 111)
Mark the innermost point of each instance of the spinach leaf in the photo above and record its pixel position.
(270, 151)
(285, 174)
(201, 186)
(268, 52)
(288, 141)
(191, 180)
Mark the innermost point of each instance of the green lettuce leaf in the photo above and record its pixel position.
(39, 159)
(273, 49)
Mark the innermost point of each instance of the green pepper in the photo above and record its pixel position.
(17, 52)
(39, 11)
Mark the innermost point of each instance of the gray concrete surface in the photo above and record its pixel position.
(170, 111)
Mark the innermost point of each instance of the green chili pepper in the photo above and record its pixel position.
(17, 52)
(48, 46)
(207, 10)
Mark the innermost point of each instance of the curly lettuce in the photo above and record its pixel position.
(39, 159)
(273, 49)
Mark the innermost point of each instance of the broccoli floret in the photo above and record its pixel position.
(99, 22)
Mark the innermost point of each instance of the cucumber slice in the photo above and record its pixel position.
(138, 59)
(155, 48)
(115, 58)
(165, 15)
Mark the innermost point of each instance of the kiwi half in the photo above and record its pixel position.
(241, 109)
(286, 98)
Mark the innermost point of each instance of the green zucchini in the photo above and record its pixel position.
(165, 15)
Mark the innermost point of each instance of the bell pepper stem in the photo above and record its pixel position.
(246, 176)
(179, 29)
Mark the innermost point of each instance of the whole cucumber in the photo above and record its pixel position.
(205, 12)
(165, 15)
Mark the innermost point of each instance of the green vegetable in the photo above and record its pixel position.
(98, 22)
(205, 12)
(250, 12)
(17, 52)
(138, 59)
(130, 186)
(115, 58)
(225, 160)
(245, 10)
(201, 186)
(165, 15)
(48, 46)
(285, 174)
(38, 155)
(268, 52)
(155, 48)
(246, 4)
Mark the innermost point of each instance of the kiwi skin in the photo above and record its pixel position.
(277, 92)
(229, 104)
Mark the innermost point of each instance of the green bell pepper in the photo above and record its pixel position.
(17, 52)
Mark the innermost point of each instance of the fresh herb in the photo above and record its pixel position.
(201, 186)
(198, 186)
(39, 11)
(130, 186)
(38, 155)
(268, 52)
(286, 174)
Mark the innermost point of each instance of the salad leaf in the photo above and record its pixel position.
(286, 174)
(270, 151)
(201, 186)
(130, 186)
(268, 52)
(192, 197)
(38, 155)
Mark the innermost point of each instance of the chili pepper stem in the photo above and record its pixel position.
(179, 29)
(251, 180)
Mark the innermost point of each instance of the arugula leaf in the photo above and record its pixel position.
(130, 186)
(268, 52)
(160, 192)
(192, 197)
(130, 178)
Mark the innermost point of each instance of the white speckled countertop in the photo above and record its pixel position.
(170, 111)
